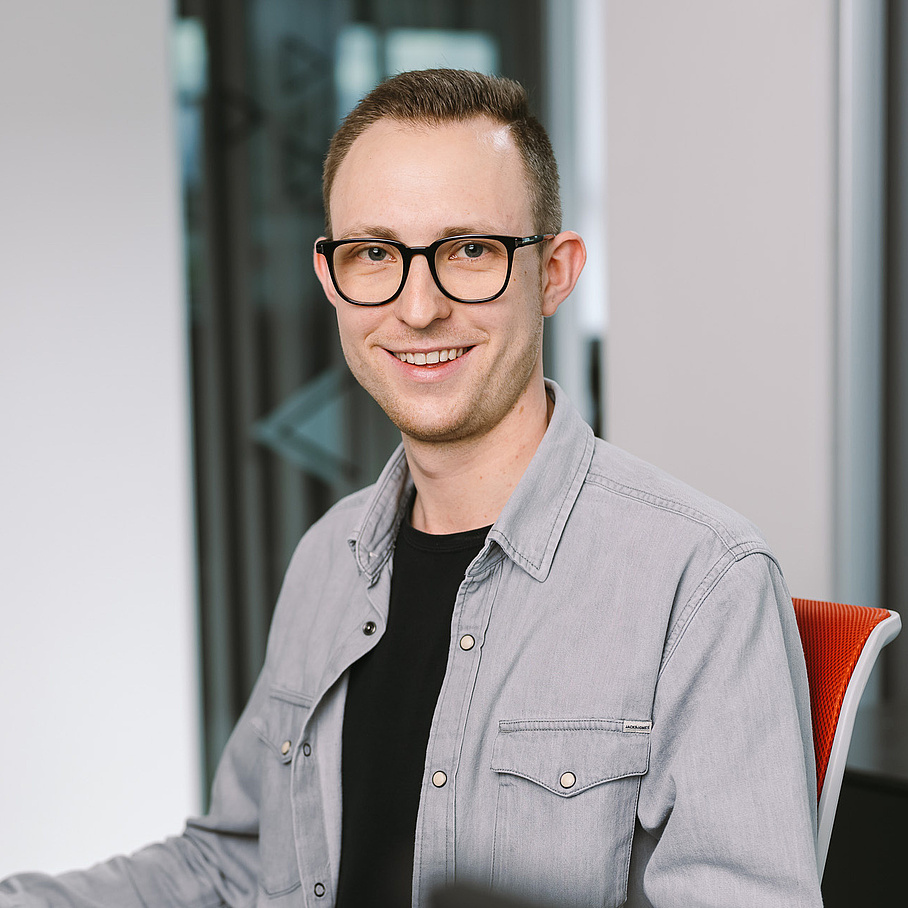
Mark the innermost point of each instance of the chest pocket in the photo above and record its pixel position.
(567, 798)
(279, 725)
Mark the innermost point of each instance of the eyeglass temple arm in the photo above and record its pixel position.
(530, 240)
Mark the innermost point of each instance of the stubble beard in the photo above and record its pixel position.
(478, 410)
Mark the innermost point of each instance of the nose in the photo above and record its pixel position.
(421, 301)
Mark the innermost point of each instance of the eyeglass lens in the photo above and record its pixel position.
(467, 269)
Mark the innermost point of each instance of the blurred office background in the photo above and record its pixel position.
(175, 408)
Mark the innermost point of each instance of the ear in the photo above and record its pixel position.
(320, 264)
(565, 258)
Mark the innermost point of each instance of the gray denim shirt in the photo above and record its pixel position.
(624, 714)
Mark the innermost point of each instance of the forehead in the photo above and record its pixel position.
(419, 180)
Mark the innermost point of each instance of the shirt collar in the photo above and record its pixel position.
(530, 525)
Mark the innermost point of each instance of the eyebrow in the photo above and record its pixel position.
(384, 233)
(379, 233)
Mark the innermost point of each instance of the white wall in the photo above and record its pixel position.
(722, 175)
(97, 676)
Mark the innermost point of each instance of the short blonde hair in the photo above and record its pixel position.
(434, 96)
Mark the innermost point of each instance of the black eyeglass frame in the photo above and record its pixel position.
(511, 243)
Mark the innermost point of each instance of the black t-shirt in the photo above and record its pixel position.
(391, 699)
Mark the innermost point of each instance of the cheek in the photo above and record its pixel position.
(345, 330)
(354, 326)
(527, 320)
(349, 324)
(527, 281)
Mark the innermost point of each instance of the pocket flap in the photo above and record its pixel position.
(280, 722)
(569, 756)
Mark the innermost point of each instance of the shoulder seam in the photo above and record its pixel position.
(713, 524)
(703, 591)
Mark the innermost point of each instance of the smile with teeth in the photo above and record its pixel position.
(431, 358)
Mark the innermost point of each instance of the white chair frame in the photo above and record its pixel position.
(882, 634)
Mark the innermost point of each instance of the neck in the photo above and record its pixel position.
(464, 485)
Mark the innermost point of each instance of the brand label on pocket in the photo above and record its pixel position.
(638, 726)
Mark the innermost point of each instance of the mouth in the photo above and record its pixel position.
(431, 357)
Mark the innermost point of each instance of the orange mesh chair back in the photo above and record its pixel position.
(841, 644)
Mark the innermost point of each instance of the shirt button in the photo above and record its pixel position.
(369, 628)
(439, 779)
(568, 780)
(306, 749)
(319, 890)
(285, 748)
(467, 641)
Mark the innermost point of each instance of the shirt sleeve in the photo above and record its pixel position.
(213, 863)
(727, 812)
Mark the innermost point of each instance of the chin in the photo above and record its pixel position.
(429, 431)
(419, 419)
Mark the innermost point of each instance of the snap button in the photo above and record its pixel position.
(439, 779)
(369, 628)
(306, 749)
(319, 890)
(467, 641)
(568, 780)
(285, 748)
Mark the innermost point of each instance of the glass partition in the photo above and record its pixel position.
(281, 430)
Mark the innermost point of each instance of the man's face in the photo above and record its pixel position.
(415, 185)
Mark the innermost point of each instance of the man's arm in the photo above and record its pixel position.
(727, 811)
(214, 862)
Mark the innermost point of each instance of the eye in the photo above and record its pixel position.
(469, 250)
(374, 253)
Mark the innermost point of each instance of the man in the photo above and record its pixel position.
(523, 659)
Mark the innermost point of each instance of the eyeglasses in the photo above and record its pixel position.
(467, 269)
